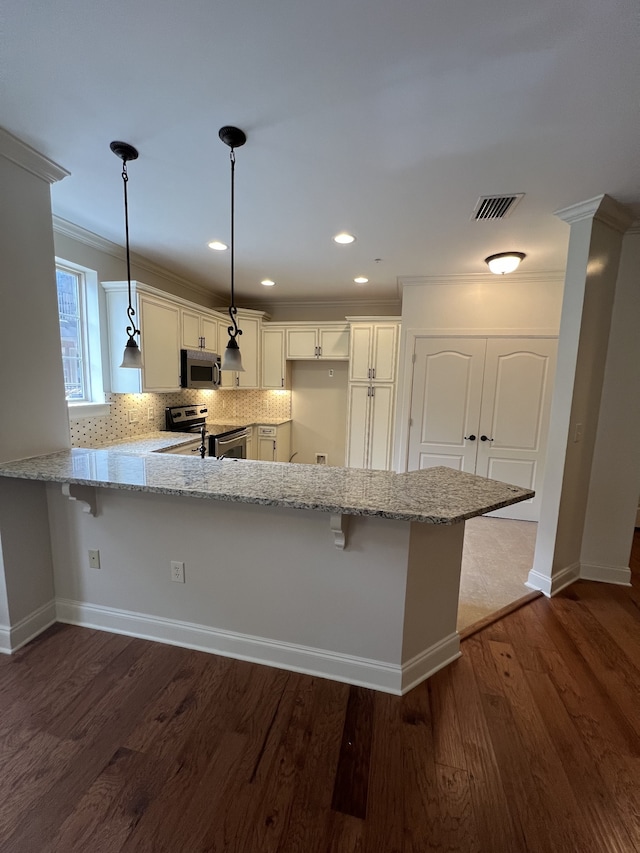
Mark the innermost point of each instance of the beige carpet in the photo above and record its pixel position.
(497, 557)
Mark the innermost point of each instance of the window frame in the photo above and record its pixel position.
(93, 403)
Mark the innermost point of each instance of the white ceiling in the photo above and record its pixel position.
(387, 119)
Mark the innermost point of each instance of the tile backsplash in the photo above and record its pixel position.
(133, 415)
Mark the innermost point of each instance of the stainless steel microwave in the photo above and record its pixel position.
(199, 369)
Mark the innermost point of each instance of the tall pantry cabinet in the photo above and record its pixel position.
(371, 392)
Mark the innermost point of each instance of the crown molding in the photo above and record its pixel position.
(544, 277)
(95, 241)
(355, 304)
(23, 155)
(602, 208)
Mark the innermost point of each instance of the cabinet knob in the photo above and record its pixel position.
(470, 437)
(485, 438)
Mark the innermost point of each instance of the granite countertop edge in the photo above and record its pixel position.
(433, 495)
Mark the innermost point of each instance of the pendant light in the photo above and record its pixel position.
(132, 356)
(234, 138)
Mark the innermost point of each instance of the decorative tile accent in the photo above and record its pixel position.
(225, 405)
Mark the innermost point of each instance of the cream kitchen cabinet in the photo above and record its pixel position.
(274, 442)
(249, 342)
(370, 425)
(275, 371)
(373, 350)
(199, 330)
(159, 322)
(313, 341)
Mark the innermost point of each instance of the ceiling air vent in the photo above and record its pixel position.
(495, 206)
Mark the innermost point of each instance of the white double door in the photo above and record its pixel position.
(482, 405)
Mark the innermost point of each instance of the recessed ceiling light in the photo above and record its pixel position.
(344, 238)
(218, 245)
(267, 282)
(361, 280)
(504, 262)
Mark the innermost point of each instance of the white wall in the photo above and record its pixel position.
(319, 410)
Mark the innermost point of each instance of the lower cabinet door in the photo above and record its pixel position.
(380, 427)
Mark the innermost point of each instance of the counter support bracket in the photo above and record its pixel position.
(85, 494)
(339, 524)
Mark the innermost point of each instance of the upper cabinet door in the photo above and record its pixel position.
(360, 353)
(160, 344)
(302, 343)
(209, 333)
(333, 342)
(384, 353)
(190, 328)
(273, 362)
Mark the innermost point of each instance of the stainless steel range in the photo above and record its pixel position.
(222, 441)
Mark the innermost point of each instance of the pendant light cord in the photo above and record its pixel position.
(233, 330)
(132, 329)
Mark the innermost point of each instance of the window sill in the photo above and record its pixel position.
(88, 410)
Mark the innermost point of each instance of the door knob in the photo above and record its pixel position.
(485, 438)
(469, 438)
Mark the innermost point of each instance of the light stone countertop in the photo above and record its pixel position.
(434, 495)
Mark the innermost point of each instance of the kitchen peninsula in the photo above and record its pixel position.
(345, 573)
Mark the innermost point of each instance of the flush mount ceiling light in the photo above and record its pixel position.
(343, 238)
(361, 279)
(132, 356)
(504, 262)
(234, 138)
(267, 282)
(217, 245)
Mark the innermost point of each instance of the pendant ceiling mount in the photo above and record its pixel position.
(124, 151)
(232, 136)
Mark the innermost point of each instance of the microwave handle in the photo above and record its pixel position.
(216, 373)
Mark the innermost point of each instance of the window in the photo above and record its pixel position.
(71, 313)
(80, 338)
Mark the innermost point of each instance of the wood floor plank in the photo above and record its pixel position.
(559, 808)
(458, 830)
(486, 788)
(385, 814)
(352, 774)
(447, 748)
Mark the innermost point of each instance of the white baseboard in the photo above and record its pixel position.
(363, 672)
(427, 663)
(13, 637)
(620, 575)
(550, 586)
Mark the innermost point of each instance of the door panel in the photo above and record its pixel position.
(357, 435)
(381, 424)
(518, 383)
(445, 402)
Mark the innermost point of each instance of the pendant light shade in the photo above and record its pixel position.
(232, 360)
(132, 356)
(504, 262)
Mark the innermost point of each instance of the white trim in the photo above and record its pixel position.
(13, 637)
(550, 586)
(603, 208)
(29, 159)
(88, 410)
(362, 672)
(620, 575)
(428, 662)
(545, 276)
(76, 232)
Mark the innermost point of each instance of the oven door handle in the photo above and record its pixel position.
(232, 439)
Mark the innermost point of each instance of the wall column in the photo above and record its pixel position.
(595, 243)
(35, 419)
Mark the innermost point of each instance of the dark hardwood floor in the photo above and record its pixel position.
(529, 742)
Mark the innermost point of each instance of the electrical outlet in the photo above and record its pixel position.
(94, 559)
(321, 459)
(133, 416)
(331, 371)
(177, 571)
(151, 413)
